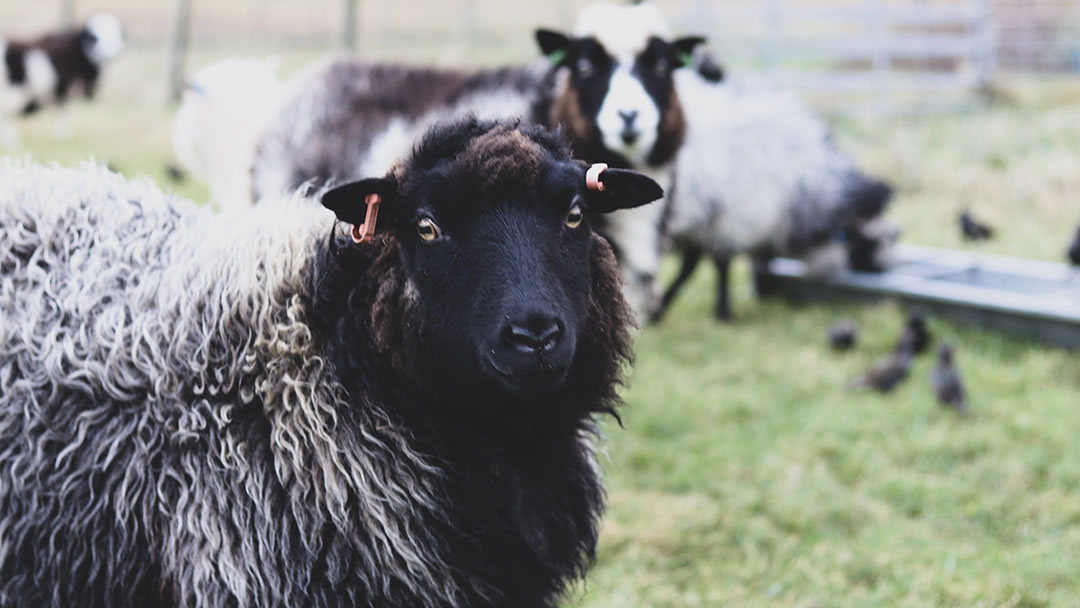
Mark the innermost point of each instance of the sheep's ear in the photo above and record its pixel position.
(553, 45)
(684, 49)
(347, 200)
(710, 70)
(623, 189)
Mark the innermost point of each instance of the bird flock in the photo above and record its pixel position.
(889, 372)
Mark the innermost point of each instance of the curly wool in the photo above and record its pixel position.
(170, 432)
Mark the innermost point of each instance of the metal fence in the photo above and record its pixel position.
(871, 53)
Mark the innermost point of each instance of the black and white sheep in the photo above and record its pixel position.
(41, 72)
(759, 173)
(257, 410)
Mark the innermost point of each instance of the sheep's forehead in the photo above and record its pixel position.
(504, 158)
(623, 31)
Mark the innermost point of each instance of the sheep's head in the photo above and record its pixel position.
(615, 91)
(489, 222)
(102, 38)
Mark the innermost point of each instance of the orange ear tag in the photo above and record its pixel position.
(364, 232)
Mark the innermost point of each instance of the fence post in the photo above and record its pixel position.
(67, 12)
(178, 45)
(772, 48)
(984, 51)
(467, 24)
(348, 38)
(882, 53)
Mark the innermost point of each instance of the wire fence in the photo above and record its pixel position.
(871, 52)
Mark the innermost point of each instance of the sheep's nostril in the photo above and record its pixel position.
(549, 337)
(628, 116)
(533, 338)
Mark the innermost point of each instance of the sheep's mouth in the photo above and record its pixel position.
(537, 376)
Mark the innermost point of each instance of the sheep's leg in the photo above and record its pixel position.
(691, 255)
(723, 295)
(763, 280)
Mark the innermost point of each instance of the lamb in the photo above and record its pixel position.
(276, 408)
(40, 72)
(759, 173)
(225, 108)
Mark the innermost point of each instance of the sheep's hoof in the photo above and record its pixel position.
(657, 315)
(723, 315)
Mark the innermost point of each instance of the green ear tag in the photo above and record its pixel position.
(686, 59)
(557, 57)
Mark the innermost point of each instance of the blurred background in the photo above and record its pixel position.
(747, 472)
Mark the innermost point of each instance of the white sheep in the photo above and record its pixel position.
(759, 173)
(224, 109)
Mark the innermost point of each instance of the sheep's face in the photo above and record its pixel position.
(489, 220)
(616, 89)
(102, 38)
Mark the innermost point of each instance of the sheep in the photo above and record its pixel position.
(347, 117)
(224, 109)
(277, 408)
(40, 72)
(759, 173)
(343, 118)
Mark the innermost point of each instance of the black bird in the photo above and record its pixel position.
(175, 173)
(915, 337)
(1074, 249)
(843, 334)
(886, 374)
(948, 385)
(973, 230)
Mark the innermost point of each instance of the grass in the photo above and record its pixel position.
(747, 473)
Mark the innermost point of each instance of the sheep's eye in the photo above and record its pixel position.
(574, 216)
(427, 229)
(662, 68)
(584, 67)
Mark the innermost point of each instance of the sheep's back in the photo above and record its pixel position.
(133, 328)
(345, 119)
(756, 170)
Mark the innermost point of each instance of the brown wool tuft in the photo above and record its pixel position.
(503, 156)
(672, 132)
(566, 110)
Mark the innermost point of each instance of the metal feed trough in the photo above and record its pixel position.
(1039, 300)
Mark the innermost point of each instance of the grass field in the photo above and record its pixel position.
(747, 473)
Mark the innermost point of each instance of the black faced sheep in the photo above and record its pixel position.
(609, 86)
(759, 173)
(37, 73)
(264, 409)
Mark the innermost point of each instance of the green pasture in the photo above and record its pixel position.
(747, 473)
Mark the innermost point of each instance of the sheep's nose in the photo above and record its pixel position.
(628, 116)
(538, 334)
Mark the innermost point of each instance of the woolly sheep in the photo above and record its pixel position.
(224, 109)
(257, 410)
(759, 173)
